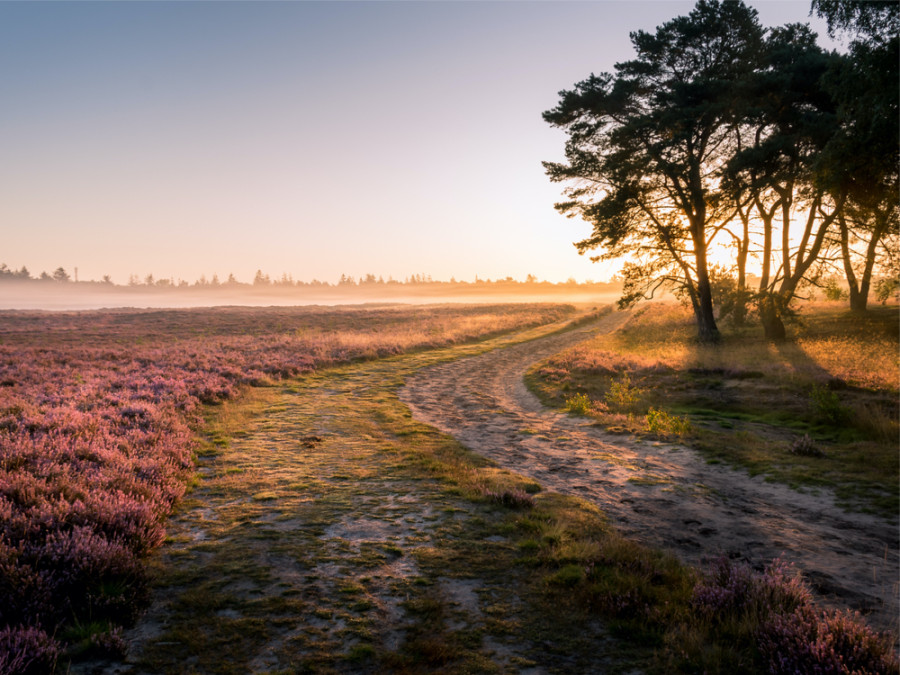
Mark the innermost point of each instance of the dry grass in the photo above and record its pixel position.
(860, 351)
(829, 344)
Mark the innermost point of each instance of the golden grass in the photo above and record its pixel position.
(827, 345)
(872, 363)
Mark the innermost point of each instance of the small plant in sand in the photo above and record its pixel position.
(623, 394)
(579, 404)
(827, 405)
(663, 424)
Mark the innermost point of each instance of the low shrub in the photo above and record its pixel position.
(830, 643)
(804, 447)
(623, 394)
(578, 404)
(833, 290)
(27, 650)
(514, 499)
(886, 288)
(772, 620)
(826, 405)
(99, 639)
(663, 424)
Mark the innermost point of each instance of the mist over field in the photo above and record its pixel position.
(87, 296)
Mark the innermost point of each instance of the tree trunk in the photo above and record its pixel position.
(883, 224)
(857, 302)
(770, 317)
(773, 305)
(859, 286)
(742, 243)
(707, 331)
(773, 327)
(740, 302)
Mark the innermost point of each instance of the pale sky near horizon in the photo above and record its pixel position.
(309, 138)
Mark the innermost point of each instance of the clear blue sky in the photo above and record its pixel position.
(314, 139)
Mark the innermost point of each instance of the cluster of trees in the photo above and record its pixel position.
(22, 274)
(722, 131)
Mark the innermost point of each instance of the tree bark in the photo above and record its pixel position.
(707, 330)
(859, 286)
(773, 326)
(743, 245)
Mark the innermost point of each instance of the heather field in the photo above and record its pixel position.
(98, 414)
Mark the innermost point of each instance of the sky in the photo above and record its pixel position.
(312, 139)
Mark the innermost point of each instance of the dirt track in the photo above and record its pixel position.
(662, 494)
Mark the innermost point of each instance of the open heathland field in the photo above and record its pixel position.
(325, 528)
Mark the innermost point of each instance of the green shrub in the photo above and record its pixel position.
(833, 291)
(662, 423)
(579, 404)
(827, 405)
(568, 575)
(623, 394)
(886, 288)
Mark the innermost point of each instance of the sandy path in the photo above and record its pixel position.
(661, 494)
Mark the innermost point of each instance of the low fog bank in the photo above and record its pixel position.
(87, 296)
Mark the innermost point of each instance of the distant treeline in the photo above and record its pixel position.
(261, 280)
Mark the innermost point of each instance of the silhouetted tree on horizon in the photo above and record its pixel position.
(787, 119)
(863, 157)
(643, 146)
(717, 125)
